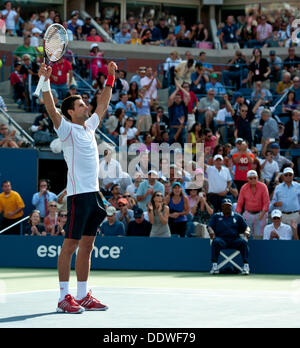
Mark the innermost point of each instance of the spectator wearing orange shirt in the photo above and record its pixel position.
(93, 37)
(254, 199)
(11, 205)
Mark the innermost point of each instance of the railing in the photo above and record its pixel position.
(15, 224)
(214, 30)
(17, 126)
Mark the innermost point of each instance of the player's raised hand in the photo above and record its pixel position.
(45, 71)
(112, 67)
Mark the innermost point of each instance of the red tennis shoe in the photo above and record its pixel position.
(90, 303)
(69, 305)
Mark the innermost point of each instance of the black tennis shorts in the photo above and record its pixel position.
(86, 211)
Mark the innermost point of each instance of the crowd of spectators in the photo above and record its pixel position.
(231, 113)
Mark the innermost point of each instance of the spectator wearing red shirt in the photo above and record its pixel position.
(210, 140)
(242, 161)
(93, 37)
(192, 105)
(17, 82)
(61, 77)
(254, 199)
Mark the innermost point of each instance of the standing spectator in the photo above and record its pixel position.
(292, 131)
(61, 77)
(192, 104)
(201, 35)
(40, 199)
(215, 85)
(282, 161)
(155, 32)
(93, 37)
(207, 67)
(158, 213)
(259, 69)
(141, 73)
(11, 18)
(254, 200)
(42, 129)
(199, 79)
(51, 220)
(128, 106)
(270, 127)
(151, 84)
(183, 71)
(2, 104)
(34, 226)
(275, 63)
(143, 110)
(179, 209)
(177, 111)
(286, 197)
(163, 28)
(139, 227)
(237, 70)
(124, 214)
(26, 48)
(291, 64)
(242, 160)
(229, 34)
(110, 171)
(169, 65)
(224, 229)
(87, 26)
(11, 206)
(123, 36)
(270, 169)
(41, 22)
(132, 188)
(112, 227)
(278, 230)
(285, 84)
(147, 188)
(263, 32)
(219, 182)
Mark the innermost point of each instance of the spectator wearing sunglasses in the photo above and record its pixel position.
(124, 214)
(59, 227)
(51, 220)
(158, 214)
(286, 198)
(278, 230)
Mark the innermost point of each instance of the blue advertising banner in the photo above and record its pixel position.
(142, 253)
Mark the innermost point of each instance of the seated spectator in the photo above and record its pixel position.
(170, 40)
(26, 48)
(254, 200)
(147, 188)
(291, 64)
(199, 79)
(184, 70)
(163, 28)
(93, 37)
(225, 121)
(285, 84)
(123, 36)
(274, 40)
(296, 87)
(110, 174)
(128, 106)
(51, 220)
(290, 103)
(237, 70)
(260, 92)
(158, 214)
(87, 26)
(72, 23)
(40, 23)
(139, 227)
(210, 140)
(132, 188)
(124, 214)
(201, 34)
(169, 65)
(192, 104)
(7, 138)
(156, 36)
(34, 226)
(278, 230)
(291, 136)
(17, 82)
(185, 39)
(229, 34)
(209, 106)
(115, 122)
(215, 85)
(59, 229)
(133, 92)
(282, 161)
(275, 63)
(141, 73)
(207, 67)
(270, 127)
(78, 34)
(117, 89)
(179, 209)
(135, 40)
(42, 129)
(131, 132)
(34, 41)
(112, 227)
(224, 229)
(201, 211)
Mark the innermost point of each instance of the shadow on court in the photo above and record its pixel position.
(25, 317)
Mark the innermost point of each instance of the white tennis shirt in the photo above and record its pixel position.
(81, 155)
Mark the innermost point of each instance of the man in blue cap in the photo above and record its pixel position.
(224, 229)
(282, 161)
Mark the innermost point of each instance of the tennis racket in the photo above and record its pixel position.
(55, 44)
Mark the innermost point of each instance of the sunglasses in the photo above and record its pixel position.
(158, 195)
(53, 206)
(121, 205)
(244, 110)
(276, 218)
(126, 196)
(253, 178)
(63, 215)
(289, 174)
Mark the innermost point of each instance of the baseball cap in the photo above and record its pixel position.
(238, 139)
(110, 211)
(72, 87)
(272, 53)
(153, 172)
(226, 201)
(275, 146)
(218, 157)
(251, 173)
(176, 183)
(93, 45)
(122, 200)
(288, 170)
(214, 76)
(36, 31)
(138, 213)
(276, 213)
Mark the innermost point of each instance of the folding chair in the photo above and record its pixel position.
(229, 258)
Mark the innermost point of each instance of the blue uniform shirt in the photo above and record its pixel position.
(227, 227)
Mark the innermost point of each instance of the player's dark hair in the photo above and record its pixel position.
(68, 104)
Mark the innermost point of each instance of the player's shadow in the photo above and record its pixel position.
(24, 317)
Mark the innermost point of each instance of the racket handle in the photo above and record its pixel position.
(39, 86)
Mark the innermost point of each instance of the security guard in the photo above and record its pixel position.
(224, 229)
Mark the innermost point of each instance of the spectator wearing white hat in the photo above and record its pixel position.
(219, 182)
(34, 40)
(254, 199)
(286, 197)
(112, 227)
(278, 230)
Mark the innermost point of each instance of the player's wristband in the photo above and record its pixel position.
(110, 81)
(46, 86)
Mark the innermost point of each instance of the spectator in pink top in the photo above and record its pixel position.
(263, 33)
(97, 63)
(254, 199)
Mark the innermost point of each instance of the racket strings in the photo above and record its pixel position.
(55, 44)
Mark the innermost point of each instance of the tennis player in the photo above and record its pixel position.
(86, 211)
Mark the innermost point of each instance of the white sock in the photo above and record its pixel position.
(81, 290)
(64, 289)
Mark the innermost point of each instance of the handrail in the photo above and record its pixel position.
(106, 137)
(98, 27)
(77, 76)
(18, 127)
(15, 224)
(214, 30)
